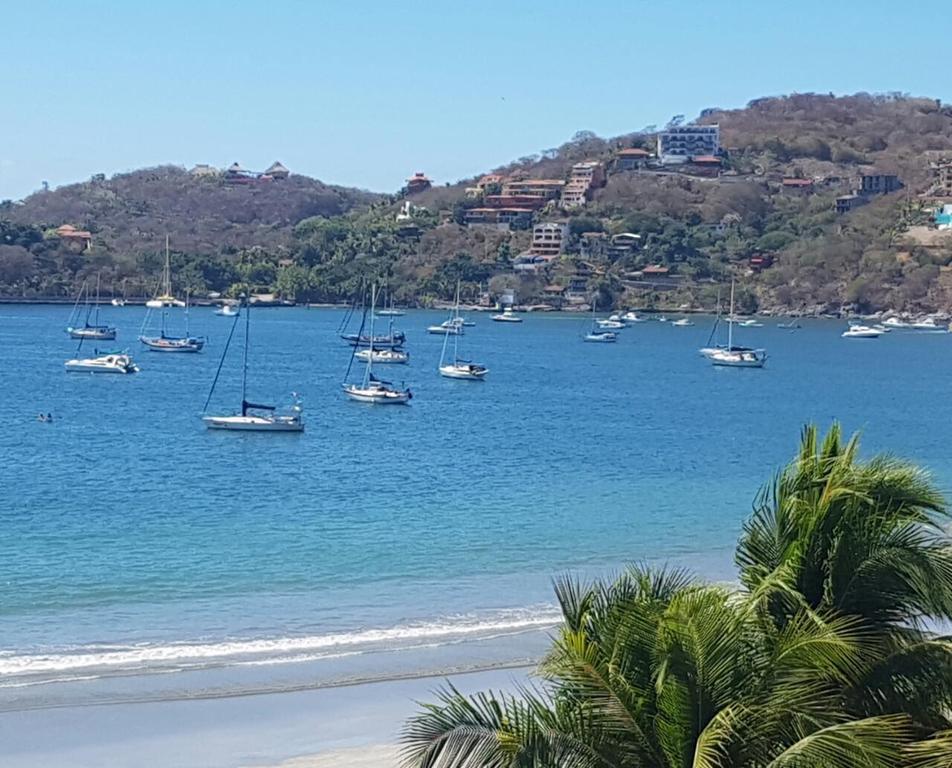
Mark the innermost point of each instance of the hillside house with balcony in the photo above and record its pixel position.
(77, 240)
(548, 238)
(502, 219)
(632, 159)
(584, 178)
(678, 144)
(879, 184)
(418, 182)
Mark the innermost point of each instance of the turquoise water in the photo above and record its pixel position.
(389, 540)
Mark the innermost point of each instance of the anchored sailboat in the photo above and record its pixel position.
(598, 333)
(735, 357)
(371, 389)
(94, 331)
(165, 298)
(165, 343)
(254, 417)
(459, 369)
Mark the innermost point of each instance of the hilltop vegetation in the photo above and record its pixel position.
(315, 242)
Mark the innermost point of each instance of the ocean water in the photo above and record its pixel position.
(142, 557)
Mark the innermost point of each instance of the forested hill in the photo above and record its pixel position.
(765, 215)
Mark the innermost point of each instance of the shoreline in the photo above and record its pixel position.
(353, 726)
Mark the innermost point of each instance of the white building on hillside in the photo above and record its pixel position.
(679, 144)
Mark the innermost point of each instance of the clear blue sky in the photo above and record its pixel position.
(365, 92)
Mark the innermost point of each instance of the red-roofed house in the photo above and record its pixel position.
(797, 186)
(631, 159)
(418, 183)
(76, 239)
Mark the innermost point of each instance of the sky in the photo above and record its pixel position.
(366, 92)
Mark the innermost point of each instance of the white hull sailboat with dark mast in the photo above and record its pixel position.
(165, 343)
(254, 417)
(459, 369)
(371, 389)
(94, 331)
(735, 357)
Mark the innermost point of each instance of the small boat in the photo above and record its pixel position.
(609, 325)
(507, 316)
(94, 331)
(118, 302)
(682, 323)
(459, 369)
(165, 343)
(882, 328)
(731, 356)
(662, 319)
(390, 311)
(630, 318)
(391, 341)
(227, 310)
(451, 327)
(895, 322)
(254, 417)
(385, 356)
(371, 389)
(109, 363)
(861, 332)
(929, 324)
(165, 298)
(601, 337)
(791, 326)
(750, 323)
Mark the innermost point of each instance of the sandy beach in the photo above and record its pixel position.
(355, 726)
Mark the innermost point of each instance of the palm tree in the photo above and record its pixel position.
(657, 671)
(864, 540)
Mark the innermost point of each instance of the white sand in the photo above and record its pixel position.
(358, 757)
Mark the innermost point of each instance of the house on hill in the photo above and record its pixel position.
(418, 183)
(879, 184)
(583, 179)
(202, 170)
(631, 159)
(680, 143)
(235, 174)
(76, 240)
(796, 186)
(277, 171)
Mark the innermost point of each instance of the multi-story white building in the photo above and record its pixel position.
(548, 238)
(679, 144)
(583, 178)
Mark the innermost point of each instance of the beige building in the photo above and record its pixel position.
(583, 178)
(548, 238)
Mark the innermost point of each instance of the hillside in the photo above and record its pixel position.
(644, 233)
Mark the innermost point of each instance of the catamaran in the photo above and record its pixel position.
(371, 389)
(459, 368)
(165, 343)
(731, 356)
(94, 331)
(165, 298)
(254, 417)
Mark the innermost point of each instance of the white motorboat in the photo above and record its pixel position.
(750, 323)
(882, 328)
(165, 297)
(929, 324)
(118, 302)
(371, 389)
(630, 318)
(227, 310)
(861, 332)
(662, 319)
(451, 327)
(601, 337)
(895, 322)
(385, 356)
(507, 316)
(391, 313)
(682, 323)
(91, 331)
(609, 325)
(254, 417)
(458, 368)
(111, 363)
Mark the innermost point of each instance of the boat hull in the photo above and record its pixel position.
(253, 423)
(173, 345)
(101, 365)
(384, 357)
(445, 330)
(376, 396)
(92, 334)
(605, 337)
(464, 374)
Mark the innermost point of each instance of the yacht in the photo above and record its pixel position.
(895, 322)
(227, 310)
(609, 325)
(684, 322)
(385, 356)
(451, 327)
(254, 417)
(601, 337)
(92, 331)
(929, 324)
(861, 332)
(166, 343)
(731, 356)
(110, 363)
(630, 318)
(507, 316)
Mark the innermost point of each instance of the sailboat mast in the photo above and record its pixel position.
(186, 313)
(168, 269)
(244, 362)
(730, 321)
(370, 357)
(457, 328)
(98, 280)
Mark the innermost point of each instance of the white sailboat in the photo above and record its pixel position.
(598, 334)
(371, 389)
(254, 417)
(384, 356)
(165, 298)
(736, 357)
(94, 331)
(459, 369)
(390, 311)
(165, 343)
